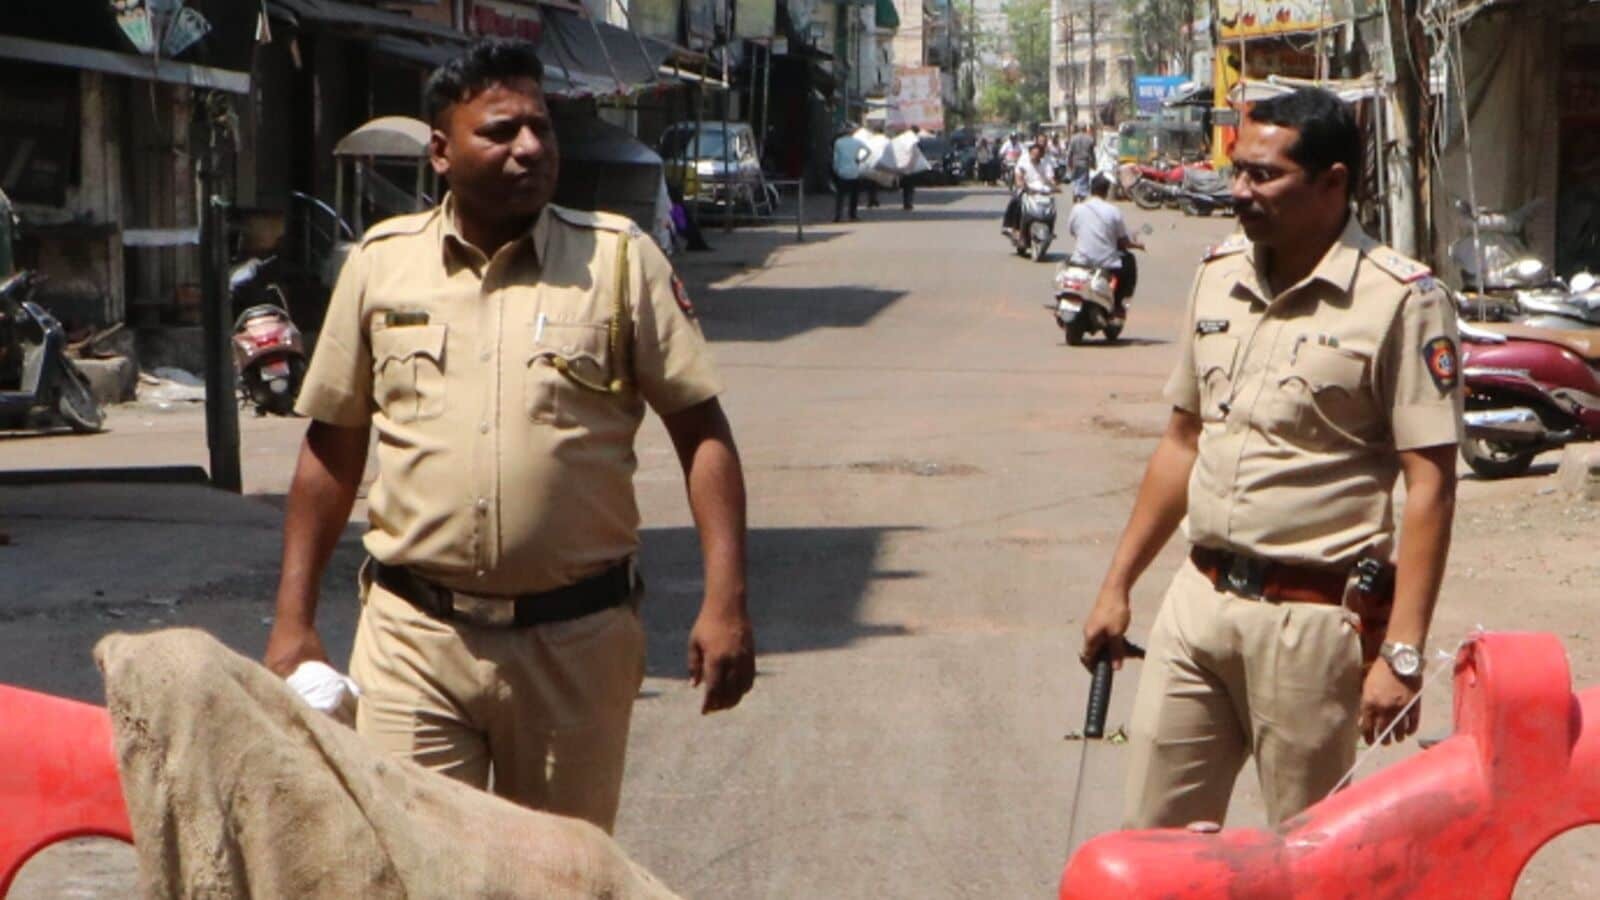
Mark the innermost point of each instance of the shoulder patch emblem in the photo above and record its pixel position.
(1443, 365)
(680, 294)
(1235, 243)
(1211, 326)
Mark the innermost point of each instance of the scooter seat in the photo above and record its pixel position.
(1584, 342)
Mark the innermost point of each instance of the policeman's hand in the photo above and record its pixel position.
(722, 656)
(1382, 697)
(289, 645)
(1107, 624)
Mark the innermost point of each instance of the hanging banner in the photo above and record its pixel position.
(917, 98)
(508, 20)
(755, 19)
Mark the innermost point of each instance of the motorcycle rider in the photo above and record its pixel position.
(1032, 176)
(1102, 237)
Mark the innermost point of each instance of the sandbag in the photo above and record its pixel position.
(236, 788)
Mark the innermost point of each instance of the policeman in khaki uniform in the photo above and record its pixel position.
(1315, 368)
(504, 349)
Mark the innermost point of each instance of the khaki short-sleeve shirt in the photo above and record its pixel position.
(501, 468)
(1307, 397)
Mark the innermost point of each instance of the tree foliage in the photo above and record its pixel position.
(1158, 33)
(1020, 93)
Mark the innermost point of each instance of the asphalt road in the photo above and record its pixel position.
(935, 482)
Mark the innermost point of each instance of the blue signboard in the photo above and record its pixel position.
(1150, 90)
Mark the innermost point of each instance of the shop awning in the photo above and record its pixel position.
(886, 16)
(586, 52)
(350, 15)
(126, 65)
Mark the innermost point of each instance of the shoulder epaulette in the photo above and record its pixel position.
(604, 221)
(1407, 271)
(413, 223)
(1236, 243)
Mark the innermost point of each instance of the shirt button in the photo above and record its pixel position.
(483, 502)
(483, 428)
(480, 573)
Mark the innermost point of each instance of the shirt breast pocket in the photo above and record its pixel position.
(1214, 358)
(566, 361)
(1327, 395)
(408, 371)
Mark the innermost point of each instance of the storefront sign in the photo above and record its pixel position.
(510, 20)
(1150, 90)
(916, 98)
(755, 19)
(1250, 18)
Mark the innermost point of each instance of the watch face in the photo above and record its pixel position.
(1406, 661)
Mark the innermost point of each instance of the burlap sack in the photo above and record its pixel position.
(237, 788)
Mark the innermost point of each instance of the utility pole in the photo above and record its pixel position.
(222, 407)
(1072, 69)
(1094, 57)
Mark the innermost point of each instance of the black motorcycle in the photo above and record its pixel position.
(40, 386)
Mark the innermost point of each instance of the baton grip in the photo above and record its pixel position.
(1094, 719)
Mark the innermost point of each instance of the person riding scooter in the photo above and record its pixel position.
(1032, 176)
(1102, 237)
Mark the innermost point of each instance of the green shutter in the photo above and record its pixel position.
(887, 17)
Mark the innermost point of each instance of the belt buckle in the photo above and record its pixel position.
(475, 609)
(1245, 577)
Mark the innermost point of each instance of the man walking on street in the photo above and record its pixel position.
(848, 152)
(1080, 161)
(504, 349)
(1316, 366)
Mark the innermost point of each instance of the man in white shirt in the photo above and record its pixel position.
(1102, 236)
(1031, 176)
(848, 152)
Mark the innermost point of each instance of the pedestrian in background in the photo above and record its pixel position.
(848, 153)
(1080, 161)
(504, 349)
(1316, 366)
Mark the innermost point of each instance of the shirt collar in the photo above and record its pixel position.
(1337, 269)
(536, 241)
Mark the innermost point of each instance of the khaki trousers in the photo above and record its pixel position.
(545, 708)
(1228, 677)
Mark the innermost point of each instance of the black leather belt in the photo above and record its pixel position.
(609, 588)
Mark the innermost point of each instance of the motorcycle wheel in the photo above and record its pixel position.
(1074, 333)
(75, 401)
(1190, 208)
(1146, 195)
(1037, 249)
(1112, 333)
(1494, 459)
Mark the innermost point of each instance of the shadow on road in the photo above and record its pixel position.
(775, 314)
(806, 587)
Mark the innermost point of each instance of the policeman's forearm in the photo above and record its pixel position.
(715, 482)
(1424, 541)
(326, 478)
(1160, 505)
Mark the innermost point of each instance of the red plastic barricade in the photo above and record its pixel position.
(58, 777)
(1458, 820)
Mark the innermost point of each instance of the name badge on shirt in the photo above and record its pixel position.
(398, 318)
(1211, 326)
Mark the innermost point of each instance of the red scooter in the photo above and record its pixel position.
(1528, 390)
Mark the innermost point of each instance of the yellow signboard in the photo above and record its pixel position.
(1252, 18)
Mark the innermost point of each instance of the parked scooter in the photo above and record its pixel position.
(39, 385)
(269, 353)
(1036, 227)
(1528, 390)
(1204, 192)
